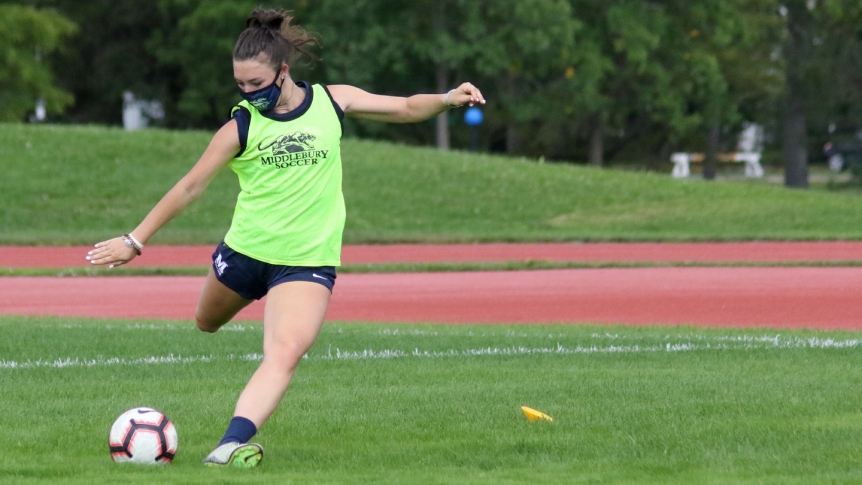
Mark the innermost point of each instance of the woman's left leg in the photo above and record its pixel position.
(292, 320)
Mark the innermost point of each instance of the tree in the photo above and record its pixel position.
(527, 52)
(566, 79)
(443, 29)
(381, 44)
(800, 28)
(824, 75)
(399, 48)
(513, 50)
(26, 35)
(108, 57)
(735, 74)
(676, 68)
(640, 65)
(198, 46)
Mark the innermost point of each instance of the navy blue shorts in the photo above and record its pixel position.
(252, 279)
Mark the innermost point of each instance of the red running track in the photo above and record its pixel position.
(824, 298)
(64, 257)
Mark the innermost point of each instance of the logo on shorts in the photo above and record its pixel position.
(292, 150)
(318, 276)
(220, 265)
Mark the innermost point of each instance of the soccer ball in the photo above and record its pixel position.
(143, 435)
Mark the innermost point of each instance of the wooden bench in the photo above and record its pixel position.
(682, 162)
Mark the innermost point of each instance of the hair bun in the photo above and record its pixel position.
(270, 32)
(266, 19)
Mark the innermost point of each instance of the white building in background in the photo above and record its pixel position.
(137, 113)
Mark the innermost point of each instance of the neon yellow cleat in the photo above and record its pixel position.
(237, 455)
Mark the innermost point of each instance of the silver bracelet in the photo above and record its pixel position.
(127, 239)
(447, 100)
(136, 242)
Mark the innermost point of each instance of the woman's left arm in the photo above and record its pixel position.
(357, 103)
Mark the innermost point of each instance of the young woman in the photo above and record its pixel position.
(283, 142)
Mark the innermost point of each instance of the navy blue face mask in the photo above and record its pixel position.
(264, 99)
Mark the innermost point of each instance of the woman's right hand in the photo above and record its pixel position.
(113, 252)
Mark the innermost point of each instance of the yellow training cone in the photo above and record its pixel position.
(534, 415)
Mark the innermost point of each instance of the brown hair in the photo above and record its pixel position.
(269, 32)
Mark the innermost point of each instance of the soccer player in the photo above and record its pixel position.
(283, 142)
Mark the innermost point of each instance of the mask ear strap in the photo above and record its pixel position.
(283, 76)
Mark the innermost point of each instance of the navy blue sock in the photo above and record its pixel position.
(240, 430)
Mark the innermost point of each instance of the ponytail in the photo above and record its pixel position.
(270, 32)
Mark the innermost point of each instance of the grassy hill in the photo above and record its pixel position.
(70, 185)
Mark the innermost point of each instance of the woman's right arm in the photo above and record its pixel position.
(221, 150)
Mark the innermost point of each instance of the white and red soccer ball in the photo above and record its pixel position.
(143, 435)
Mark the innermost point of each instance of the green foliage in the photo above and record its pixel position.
(829, 69)
(523, 60)
(406, 404)
(108, 57)
(199, 46)
(508, 48)
(677, 67)
(649, 76)
(85, 184)
(27, 34)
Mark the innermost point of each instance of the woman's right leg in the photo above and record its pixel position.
(217, 305)
(292, 319)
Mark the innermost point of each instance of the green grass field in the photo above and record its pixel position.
(78, 185)
(425, 404)
(431, 404)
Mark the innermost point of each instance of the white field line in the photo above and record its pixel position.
(742, 342)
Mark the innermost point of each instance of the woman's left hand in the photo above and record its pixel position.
(465, 94)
